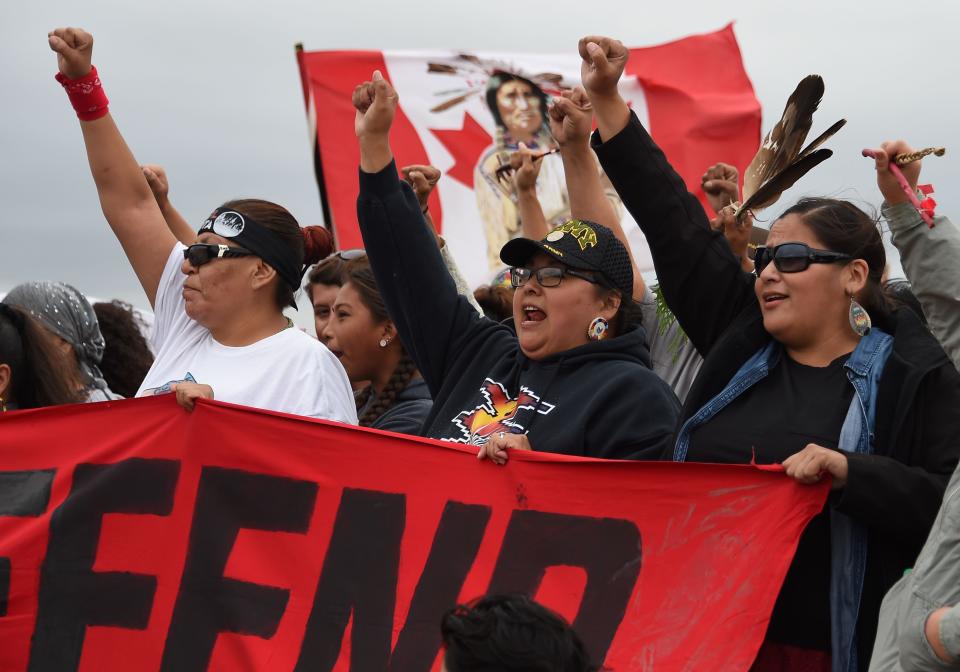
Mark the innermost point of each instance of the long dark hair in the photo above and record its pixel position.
(494, 84)
(843, 227)
(37, 367)
(358, 273)
(126, 357)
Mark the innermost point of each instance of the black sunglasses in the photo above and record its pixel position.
(199, 254)
(548, 276)
(794, 257)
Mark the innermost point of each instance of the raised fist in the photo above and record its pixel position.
(526, 169)
(157, 179)
(889, 187)
(74, 47)
(571, 117)
(720, 185)
(376, 104)
(603, 62)
(423, 179)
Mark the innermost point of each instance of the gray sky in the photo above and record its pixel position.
(210, 90)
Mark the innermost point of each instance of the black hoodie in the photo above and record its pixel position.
(600, 399)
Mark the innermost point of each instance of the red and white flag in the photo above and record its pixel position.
(461, 111)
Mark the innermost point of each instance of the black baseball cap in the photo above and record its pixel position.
(579, 244)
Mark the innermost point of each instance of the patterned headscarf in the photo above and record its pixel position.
(67, 313)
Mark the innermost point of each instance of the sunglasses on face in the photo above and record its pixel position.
(548, 276)
(199, 254)
(794, 257)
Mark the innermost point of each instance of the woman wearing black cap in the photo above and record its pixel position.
(575, 377)
(219, 328)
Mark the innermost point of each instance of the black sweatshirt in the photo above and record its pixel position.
(896, 491)
(599, 400)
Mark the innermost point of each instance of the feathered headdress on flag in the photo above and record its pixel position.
(477, 72)
(780, 162)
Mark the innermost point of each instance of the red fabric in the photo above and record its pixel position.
(333, 75)
(775, 657)
(86, 95)
(701, 104)
(706, 547)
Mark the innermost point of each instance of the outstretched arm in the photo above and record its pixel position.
(125, 197)
(570, 121)
(433, 320)
(700, 278)
(929, 256)
(156, 177)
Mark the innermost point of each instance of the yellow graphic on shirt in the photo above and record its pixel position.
(497, 413)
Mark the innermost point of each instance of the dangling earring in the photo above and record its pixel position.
(3, 405)
(597, 331)
(384, 342)
(859, 318)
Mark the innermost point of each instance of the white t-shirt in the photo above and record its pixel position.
(288, 372)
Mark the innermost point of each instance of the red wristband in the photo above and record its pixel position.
(86, 95)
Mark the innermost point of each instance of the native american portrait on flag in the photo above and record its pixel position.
(466, 112)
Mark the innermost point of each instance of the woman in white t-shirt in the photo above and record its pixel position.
(220, 330)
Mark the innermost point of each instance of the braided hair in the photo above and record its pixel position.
(398, 383)
(357, 272)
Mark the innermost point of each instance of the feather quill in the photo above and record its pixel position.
(780, 161)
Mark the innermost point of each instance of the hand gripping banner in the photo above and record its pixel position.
(137, 536)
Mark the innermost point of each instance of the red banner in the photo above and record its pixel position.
(136, 536)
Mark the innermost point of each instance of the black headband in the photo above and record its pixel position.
(257, 238)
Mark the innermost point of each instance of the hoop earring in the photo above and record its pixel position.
(859, 318)
(597, 331)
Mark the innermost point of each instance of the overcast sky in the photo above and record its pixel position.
(210, 89)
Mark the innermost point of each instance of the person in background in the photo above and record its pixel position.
(919, 627)
(32, 371)
(929, 255)
(804, 365)
(364, 339)
(561, 382)
(496, 299)
(126, 355)
(219, 302)
(323, 284)
(72, 322)
(510, 633)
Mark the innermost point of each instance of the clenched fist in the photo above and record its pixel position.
(571, 117)
(74, 47)
(604, 60)
(376, 104)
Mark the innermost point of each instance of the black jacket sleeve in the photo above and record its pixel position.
(901, 496)
(433, 320)
(701, 280)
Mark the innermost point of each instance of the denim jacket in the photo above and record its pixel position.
(848, 538)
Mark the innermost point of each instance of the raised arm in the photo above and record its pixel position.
(156, 178)
(433, 320)
(929, 256)
(571, 117)
(526, 169)
(125, 197)
(699, 276)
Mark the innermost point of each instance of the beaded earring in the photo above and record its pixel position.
(597, 331)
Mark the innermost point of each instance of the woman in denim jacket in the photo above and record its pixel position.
(793, 375)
